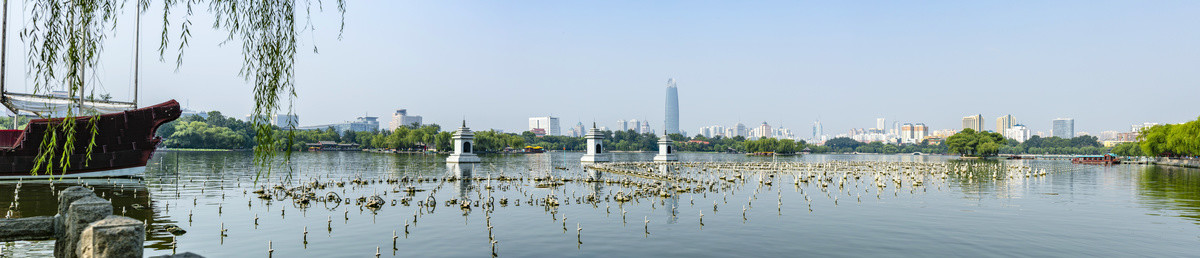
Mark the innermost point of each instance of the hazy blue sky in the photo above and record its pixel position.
(1105, 63)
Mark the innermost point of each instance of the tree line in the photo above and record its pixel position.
(1171, 140)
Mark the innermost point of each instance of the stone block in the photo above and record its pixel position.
(79, 216)
(114, 236)
(35, 228)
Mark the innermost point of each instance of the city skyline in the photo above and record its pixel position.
(859, 63)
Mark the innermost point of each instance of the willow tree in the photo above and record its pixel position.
(65, 38)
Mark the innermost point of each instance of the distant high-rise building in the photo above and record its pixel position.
(285, 121)
(920, 131)
(1004, 122)
(634, 125)
(974, 122)
(1017, 132)
(645, 127)
(741, 130)
(401, 118)
(712, 131)
(763, 130)
(548, 124)
(1063, 128)
(623, 125)
(879, 123)
(578, 130)
(672, 119)
(361, 124)
(908, 133)
(817, 131)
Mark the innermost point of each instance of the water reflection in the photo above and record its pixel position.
(1171, 189)
(783, 215)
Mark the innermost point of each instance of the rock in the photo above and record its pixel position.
(174, 229)
(114, 236)
(182, 255)
(375, 202)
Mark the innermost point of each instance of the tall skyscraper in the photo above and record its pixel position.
(741, 130)
(672, 121)
(1063, 128)
(634, 125)
(817, 131)
(623, 125)
(548, 124)
(879, 123)
(974, 122)
(1004, 122)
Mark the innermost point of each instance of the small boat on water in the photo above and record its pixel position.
(534, 149)
(1106, 159)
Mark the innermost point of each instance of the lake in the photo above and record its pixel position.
(1074, 210)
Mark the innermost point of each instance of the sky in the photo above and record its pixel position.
(1107, 64)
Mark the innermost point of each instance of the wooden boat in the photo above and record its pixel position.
(124, 142)
(123, 134)
(1106, 159)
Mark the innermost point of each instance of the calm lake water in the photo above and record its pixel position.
(1075, 210)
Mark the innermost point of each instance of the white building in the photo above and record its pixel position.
(712, 131)
(188, 112)
(401, 118)
(285, 121)
(763, 130)
(1018, 132)
(1139, 127)
(548, 124)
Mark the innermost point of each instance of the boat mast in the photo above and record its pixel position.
(137, 40)
(4, 55)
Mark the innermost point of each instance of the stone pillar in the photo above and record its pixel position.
(114, 236)
(79, 216)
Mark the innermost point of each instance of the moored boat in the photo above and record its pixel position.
(1106, 159)
(125, 141)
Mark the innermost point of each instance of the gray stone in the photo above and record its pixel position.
(79, 216)
(65, 199)
(114, 236)
(35, 228)
(182, 255)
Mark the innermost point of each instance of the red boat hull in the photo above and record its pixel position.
(123, 140)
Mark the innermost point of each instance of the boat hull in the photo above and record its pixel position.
(124, 142)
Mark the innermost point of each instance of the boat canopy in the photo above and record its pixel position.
(56, 106)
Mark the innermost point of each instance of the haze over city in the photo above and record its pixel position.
(785, 63)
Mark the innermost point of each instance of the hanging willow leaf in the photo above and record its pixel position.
(65, 38)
